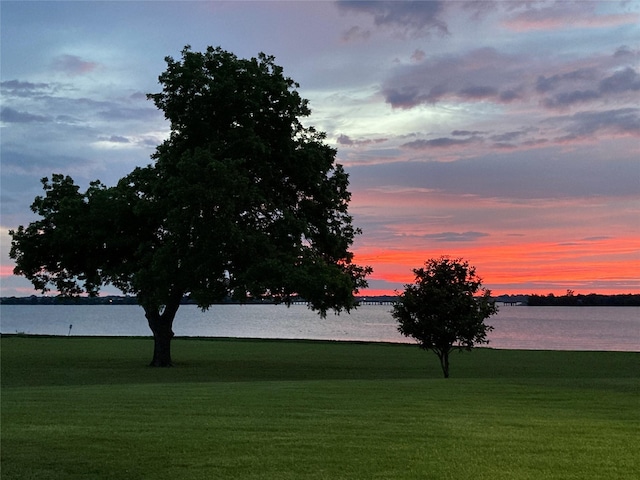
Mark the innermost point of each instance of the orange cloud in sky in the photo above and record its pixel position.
(605, 265)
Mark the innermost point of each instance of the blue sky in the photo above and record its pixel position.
(503, 132)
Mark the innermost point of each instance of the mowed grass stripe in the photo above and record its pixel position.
(248, 409)
(91, 360)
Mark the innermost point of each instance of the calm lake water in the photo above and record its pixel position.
(517, 327)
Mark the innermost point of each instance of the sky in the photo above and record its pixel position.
(504, 133)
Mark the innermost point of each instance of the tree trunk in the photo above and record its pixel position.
(444, 362)
(162, 335)
(161, 324)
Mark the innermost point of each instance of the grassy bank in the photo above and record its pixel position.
(78, 408)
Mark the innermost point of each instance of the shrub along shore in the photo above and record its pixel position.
(88, 407)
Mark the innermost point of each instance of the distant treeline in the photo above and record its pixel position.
(35, 300)
(108, 300)
(590, 300)
(550, 300)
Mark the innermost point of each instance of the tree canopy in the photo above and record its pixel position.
(441, 309)
(241, 200)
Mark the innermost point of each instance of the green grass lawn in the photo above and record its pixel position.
(88, 408)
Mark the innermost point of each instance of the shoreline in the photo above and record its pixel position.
(294, 341)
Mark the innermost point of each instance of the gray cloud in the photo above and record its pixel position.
(488, 75)
(118, 139)
(478, 92)
(355, 33)
(406, 97)
(347, 141)
(464, 133)
(510, 139)
(546, 84)
(344, 140)
(623, 51)
(509, 95)
(68, 119)
(508, 136)
(138, 96)
(10, 115)
(19, 88)
(442, 142)
(569, 98)
(409, 17)
(623, 120)
(535, 143)
(519, 175)
(455, 236)
(418, 55)
(586, 126)
(620, 82)
(626, 80)
(116, 111)
(474, 76)
(49, 97)
(39, 163)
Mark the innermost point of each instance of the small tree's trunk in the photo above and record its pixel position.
(161, 324)
(444, 362)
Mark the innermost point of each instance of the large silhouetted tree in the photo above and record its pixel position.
(241, 200)
(441, 309)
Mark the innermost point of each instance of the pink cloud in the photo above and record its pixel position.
(578, 15)
(6, 270)
(73, 65)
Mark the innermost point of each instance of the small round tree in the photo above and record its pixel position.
(445, 308)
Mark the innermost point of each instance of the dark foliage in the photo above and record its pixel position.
(241, 201)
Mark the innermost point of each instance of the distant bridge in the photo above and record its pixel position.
(378, 301)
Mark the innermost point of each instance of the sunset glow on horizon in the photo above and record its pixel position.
(503, 133)
(529, 268)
